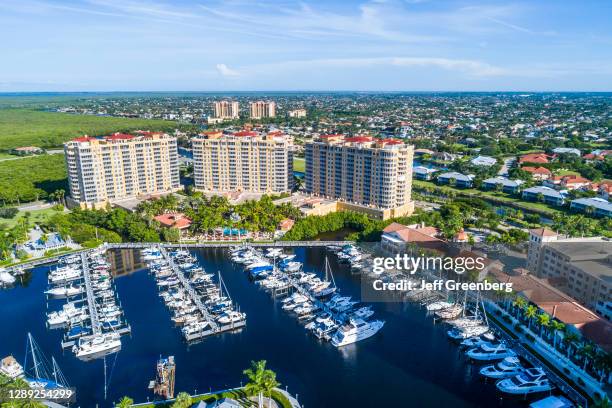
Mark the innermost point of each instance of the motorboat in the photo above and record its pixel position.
(64, 291)
(435, 306)
(63, 316)
(231, 316)
(97, 346)
(356, 330)
(451, 312)
(6, 278)
(64, 275)
(467, 332)
(195, 327)
(530, 381)
(488, 352)
(508, 367)
(362, 313)
(11, 368)
(476, 341)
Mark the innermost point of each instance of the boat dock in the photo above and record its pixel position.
(215, 327)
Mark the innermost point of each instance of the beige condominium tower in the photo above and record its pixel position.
(263, 109)
(364, 174)
(226, 109)
(243, 161)
(103, 170)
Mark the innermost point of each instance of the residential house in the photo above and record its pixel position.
(484, 161)
(545, 194)
(456, 179)
(540, 158)
(567, 182)
(566, 150)
(506, 185)
(538, 173)
(423, 173)
(596, 206)
(174, 220)
(396, 236)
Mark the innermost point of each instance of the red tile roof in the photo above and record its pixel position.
(176, 220)
(245, 133)
(358, 139)
(392, 141)
(537, 170)
(119, 136)
(534, 158)
(543, 232)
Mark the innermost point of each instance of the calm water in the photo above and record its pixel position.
(410, 363)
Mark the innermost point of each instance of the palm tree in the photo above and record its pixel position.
(260, 380)
(543, 321)
(519, 303)
(557, 326)
(602, 403)
(269, 384)
(530, 312)
(125, 402)
(586, 352)
(569, 340)
(183, 400)
(603, 364)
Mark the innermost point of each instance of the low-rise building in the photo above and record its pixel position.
(567, 182)
(544, 194)
(456, 179)
(596, 206)
(566, 150)
(174, 220)
(502, 183)
(297, 113)
(484, 161)
(423, 173)
(539, 158)
(538, 173)
(583, 264)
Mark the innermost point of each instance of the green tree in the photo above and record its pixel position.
(543, 321)
(530, 312)
(125, 402)
(183, 400)
(261, 380)
(557, 327)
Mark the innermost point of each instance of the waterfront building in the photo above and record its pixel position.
(582, 267)
(263, 109)
(545, 194)
(423, 173)
(243, 161)
(226, 110)
(102, 170)
(456, 179)
(174, 220)
(506, 185)
(373, 176)
(539, 158)
(567, 182)
(297, 113)
(604, 309)
(596, 206)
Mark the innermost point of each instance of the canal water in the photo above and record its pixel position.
(410, 363)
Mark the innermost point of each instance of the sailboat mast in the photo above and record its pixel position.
(34, 357)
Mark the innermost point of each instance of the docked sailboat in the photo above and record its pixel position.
(39, 372)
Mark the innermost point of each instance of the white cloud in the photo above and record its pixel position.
(226, 71)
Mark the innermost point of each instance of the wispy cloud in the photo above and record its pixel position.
(226, 71)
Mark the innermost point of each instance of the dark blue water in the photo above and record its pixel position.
(410, 363)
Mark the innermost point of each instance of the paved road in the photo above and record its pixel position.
(506, 166)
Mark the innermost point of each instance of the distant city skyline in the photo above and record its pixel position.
(264, 45)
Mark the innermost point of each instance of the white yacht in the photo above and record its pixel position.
(508, 367)
(356, 330)
(64, 275)
(435, 306)
(195, 327)
(530, 381)
(11, 368)
(231, 316)
(488, 352)
(467, 332)
(64, 291)
(6, 278)
(64, 315)
(98, 346)
(362, 313)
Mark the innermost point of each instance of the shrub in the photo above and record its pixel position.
(8, 212)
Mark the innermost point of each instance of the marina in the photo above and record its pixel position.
(415, 357)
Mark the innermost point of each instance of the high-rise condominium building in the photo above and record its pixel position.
(226, 110)
(365, 174)
(581, 267)
(243, 161)
(263, 109)
(119, 166)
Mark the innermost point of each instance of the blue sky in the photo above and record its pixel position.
(393, 45)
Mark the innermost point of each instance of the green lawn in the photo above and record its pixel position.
(36, 217)
(566, 173)
(299, 164)
(26, 127)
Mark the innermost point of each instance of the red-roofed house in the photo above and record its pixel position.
(540, 158)
(538, 173)
(174, 220)
(567, 182)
